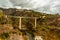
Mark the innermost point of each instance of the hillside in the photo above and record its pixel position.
(48, 25)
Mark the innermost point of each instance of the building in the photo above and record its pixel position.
(38, 38)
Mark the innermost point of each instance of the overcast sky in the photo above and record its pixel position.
(48, 6)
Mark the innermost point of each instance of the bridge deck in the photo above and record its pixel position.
(20, 18)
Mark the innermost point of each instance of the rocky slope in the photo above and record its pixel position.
(48, 25)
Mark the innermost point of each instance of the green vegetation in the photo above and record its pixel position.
(48, 25)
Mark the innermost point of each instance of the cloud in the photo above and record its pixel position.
(5, 3)
(48, 6)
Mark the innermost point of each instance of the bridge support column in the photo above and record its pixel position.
(20, 23)
(35, 22)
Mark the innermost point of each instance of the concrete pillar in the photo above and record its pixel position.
(35, 22)
(20, 23)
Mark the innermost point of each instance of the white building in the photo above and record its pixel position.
(38, 38)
